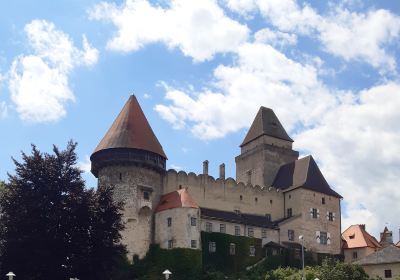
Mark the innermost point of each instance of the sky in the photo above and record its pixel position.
(201, 70)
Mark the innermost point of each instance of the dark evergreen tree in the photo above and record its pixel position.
(51, 226)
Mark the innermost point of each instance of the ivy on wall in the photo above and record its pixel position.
(222, 260)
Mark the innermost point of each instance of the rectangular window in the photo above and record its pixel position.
(330, 216)
(208, 227)
(237, 230)
(193, 221)
(222, 228)
(289, 212)
(250, 232)
(355, 255)
(291, 235)
(263, 233)
(268, 216)
(388, 273)
(146, 195)
(232, 249)
(323, 238)
(212, 247)
(314, 213)
(252, 251)
(323, 200)
(170, 244)
(193, 244)
(169, 221)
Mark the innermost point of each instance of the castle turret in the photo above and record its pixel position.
(130, 158)
(265, 148)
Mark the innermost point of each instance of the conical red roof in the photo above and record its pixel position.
(131, 130)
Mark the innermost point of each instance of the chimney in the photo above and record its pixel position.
(205, 167)
(363, 227)
(222, 171)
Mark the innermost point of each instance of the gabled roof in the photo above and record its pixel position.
(239, 218)
(303, 173)
(357, 237)
(390, 254)
(176, 199)
(266, 123)
(131, 130)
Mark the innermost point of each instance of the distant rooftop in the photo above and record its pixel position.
(357, 237)
(176, 199)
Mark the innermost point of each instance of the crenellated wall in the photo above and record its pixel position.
(227, 194)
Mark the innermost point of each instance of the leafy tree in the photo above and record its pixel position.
(52, 226)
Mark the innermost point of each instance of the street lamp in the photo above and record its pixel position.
(167, 273)
(10, 275)
(301, 237)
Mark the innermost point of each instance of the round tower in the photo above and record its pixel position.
(130, 158)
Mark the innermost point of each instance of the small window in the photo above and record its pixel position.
(237, 230)
(170, 244)
(291, 235)
(180, 187)
(256, 199)
(212, 247)
(289, 212)
(208, 227)
(388, 273)
(314, 213)
(193, 244)
(290, 196)
(146, 195)
(120, 176)
(323, 238)
(252, 251)
(241, 197)
(355, 255)
(232, 249)
(193, 221)
(263, 233)
(222, 228)
(352, 236)
(268, 216)
(169, 221)
(330, 218)
(270, 202)
(250, 232)
(323, 200)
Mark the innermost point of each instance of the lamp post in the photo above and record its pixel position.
(167, 273)
(301, 237)
(10, 275)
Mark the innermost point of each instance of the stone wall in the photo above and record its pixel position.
(361, 253)
(130, 183)
(379, 269)
(227, 194)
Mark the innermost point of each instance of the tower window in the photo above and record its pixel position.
(237, 230)
(241, 197)
(290, 196)
(291, 235)
(208, 227)
(289, 212)
(250, 232)
(169, 221)
(270, 202)
(256, 199)
(193, 221)
(323, 238)
(314, 213)
(120, 176)
(146, 196)
(323, 200)
(193, 244)
(222, 228)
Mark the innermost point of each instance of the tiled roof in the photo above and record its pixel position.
(357, 237)
(303, 173)
(390, 254)
(238, 218)
(266, 123)
(176, 199)
(131, 130)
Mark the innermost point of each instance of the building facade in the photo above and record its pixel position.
(276, 197)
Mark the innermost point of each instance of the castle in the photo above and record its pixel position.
(275, 198)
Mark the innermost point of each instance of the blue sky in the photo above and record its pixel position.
(201, 70)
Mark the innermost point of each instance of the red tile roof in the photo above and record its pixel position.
(176, 199)
(357, 237)
(131, 130)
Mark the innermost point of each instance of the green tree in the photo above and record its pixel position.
(51, 223)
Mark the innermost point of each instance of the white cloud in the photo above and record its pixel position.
(85, 165)
(275, 38)
(357, 144)
(350, 35)
(200, 29)
(38, 83)
(3, 110)
(260, 78)
(146, 96)
(176, 167)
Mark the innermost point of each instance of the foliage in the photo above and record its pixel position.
(222, 260)
(54, 228)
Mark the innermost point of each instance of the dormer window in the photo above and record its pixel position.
(352, 236)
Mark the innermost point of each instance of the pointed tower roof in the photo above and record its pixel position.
(131, 130)
(303, 173)
(266, 123)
